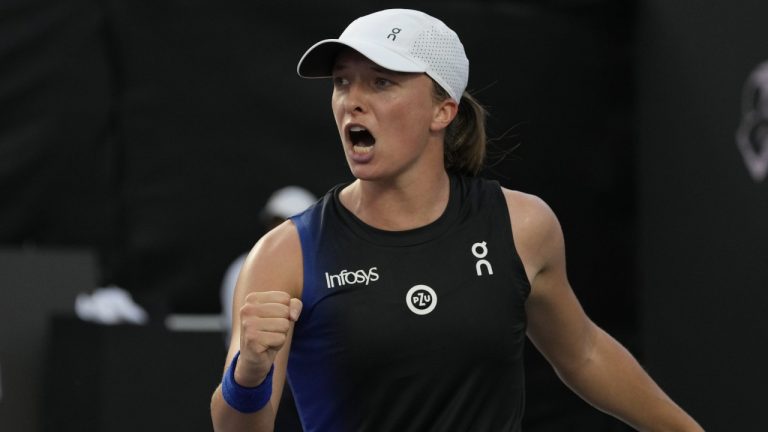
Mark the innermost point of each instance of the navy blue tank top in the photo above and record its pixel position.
(417, 330)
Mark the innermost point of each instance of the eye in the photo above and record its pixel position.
(339, 81)
(382, 82)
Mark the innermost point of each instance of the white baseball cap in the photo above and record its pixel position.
(401, 40)
(288, 201)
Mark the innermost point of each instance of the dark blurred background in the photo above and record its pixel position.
(140, 139)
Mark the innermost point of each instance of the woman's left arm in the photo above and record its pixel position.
(588, 360)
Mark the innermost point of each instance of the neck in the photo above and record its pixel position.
(398, 205)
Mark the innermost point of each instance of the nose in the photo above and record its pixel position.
(354, 100)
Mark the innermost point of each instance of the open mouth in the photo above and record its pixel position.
(362, 140)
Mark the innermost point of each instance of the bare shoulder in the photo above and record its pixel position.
(536, 231)
(275, 262)
(282, 239)
(530, 215)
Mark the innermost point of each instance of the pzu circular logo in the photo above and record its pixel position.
(421, 299)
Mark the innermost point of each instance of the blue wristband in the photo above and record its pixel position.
(245, 399)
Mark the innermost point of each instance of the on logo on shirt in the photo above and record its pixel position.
(480, 251)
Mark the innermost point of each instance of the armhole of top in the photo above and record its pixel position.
(302, 222)
(517, 261)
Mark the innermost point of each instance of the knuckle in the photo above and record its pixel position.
(246, 325)
(279, 339)
(283, 326)
(245, 311)
(251, 297)
(282, 297)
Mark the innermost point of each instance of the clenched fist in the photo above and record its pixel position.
(265, 319)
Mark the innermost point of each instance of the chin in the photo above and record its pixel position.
(365, 172)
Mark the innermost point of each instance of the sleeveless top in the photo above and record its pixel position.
(417, 330)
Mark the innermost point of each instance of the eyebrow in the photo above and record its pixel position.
(380, 69)
(340, 66)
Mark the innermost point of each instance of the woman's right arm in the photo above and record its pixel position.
(265, 306)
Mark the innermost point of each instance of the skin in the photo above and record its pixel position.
(402, 184)
(400, 169)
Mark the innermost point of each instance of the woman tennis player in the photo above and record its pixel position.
(401, 301)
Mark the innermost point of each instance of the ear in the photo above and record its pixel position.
(444, 113)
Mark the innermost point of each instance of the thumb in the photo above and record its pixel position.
(295, 307)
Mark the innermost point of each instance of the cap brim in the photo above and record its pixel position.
(318, 61)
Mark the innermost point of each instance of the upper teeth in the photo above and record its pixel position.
(357, 129)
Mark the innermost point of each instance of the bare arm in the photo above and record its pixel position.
(265, 306)
(591, 362)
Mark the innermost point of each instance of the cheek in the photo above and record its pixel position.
(416, 118)
(337, 111)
